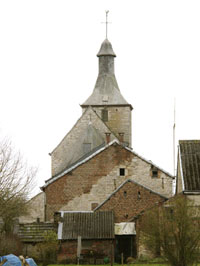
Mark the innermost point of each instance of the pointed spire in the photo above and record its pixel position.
(106, 90)
(106, 49)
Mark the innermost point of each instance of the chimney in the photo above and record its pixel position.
(107, 137)
(121, 137)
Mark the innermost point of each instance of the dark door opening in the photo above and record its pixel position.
(125, 244)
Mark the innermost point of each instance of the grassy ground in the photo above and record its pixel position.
(152, 264)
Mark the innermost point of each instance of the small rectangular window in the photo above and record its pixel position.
(122, 171)
(104, 115)
(155, 173)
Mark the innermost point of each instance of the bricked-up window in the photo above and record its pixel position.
(104, 115)
(86, 147)
(122, 171)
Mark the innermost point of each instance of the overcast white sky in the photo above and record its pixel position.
(48, 66)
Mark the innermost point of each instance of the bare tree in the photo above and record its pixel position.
(173, 230)
(16, 182)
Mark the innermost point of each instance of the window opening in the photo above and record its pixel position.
(154, 172)
(122, 171)
(139, 195)
(104, 115)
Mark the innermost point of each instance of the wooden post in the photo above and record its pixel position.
(122, 259)
(111, 254)
(78, 249)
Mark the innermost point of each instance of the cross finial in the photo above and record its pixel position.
(107, 11)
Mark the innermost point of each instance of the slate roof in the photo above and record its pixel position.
(106, 91)
(190, 164)
(88, 225)
(106, 49)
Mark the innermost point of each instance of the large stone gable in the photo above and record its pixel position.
(70, 148)
(93, 181)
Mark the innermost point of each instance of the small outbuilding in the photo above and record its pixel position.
(86, 235)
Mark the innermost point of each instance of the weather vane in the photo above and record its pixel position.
(107, 11)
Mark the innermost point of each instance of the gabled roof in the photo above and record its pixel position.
(92, 154)
(131, 181)
(189, 155)
(88, 225)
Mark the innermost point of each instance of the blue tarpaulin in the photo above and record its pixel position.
(31, 262)
(13, 260)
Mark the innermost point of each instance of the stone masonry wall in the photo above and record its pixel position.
(36, 209)
(69, 150)
(119, 121)
(93, 181)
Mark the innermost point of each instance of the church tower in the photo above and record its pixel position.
(106, 98)
(106, 116)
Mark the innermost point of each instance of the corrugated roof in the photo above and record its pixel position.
(34, 232)
(190, 164)
(88, 225)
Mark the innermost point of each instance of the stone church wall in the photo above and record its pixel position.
(119, 121)
(92, 182)
(60, 158)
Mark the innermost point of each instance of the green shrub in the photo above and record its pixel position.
(48, 248)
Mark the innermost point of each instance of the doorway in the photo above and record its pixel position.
(126, 245)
